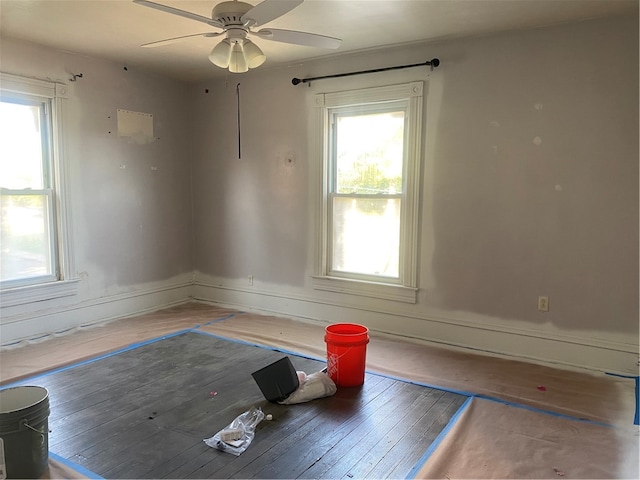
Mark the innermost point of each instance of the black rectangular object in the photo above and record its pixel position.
(277, 380)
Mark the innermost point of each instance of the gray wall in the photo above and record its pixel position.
(530, 187)
(130, 203)
(530, 184)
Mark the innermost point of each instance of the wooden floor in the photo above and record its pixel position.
(144, 412)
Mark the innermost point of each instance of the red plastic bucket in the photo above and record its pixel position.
(346, 353)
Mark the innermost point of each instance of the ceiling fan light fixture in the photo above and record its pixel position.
(252, 53)
(236, 19)
(237, 62)
(221, 54)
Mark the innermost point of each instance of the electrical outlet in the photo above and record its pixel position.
(250, 278)
(543, 304)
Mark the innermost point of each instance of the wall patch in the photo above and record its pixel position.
(136, 126)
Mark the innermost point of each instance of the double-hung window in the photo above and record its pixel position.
(370, 141)
(34, 256)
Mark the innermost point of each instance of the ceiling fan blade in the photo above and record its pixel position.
(177, 11)
(268, 10)
(169, 41)
(299, 38)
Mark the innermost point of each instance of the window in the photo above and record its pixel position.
(370, 145)
(27, 234)
(34, 245)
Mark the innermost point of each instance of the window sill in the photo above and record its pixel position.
(37, 293)
(384, 291)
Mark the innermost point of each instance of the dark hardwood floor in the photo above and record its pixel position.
(144, 412)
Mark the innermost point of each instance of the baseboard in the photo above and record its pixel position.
(564, 349)
(530, 344)
(57, 319)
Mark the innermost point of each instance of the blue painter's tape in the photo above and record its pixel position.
(539, 410)
(323, 359)
(620, 375)
(78, 468)
(421, 384)
(218, 320)
(273, 349)
(435, 387)
(636, 419)
(95, 359)
(311, 357)
(438, 440)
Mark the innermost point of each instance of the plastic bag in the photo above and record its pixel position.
(236, 437)
(316, 385)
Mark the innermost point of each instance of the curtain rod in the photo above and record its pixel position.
(433, 63)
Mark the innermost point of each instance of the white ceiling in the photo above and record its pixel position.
(115, 29)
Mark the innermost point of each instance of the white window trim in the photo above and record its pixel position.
(407, 290)
(67, 283)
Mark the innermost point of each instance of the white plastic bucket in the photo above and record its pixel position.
(24, 431)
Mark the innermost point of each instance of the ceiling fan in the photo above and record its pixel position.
(237, 20)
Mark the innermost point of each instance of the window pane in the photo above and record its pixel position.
(366, 236)
(21, 156)
(25, 238)
(369, 153)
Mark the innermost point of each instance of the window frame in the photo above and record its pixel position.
(334, 114)
(45, 191)
(62, 282)
(405, 288)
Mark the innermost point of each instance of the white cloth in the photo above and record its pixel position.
(316, 385)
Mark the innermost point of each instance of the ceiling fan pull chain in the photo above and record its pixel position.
(238, 98)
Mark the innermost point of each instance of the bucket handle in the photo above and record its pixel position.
(338, 357)
(333, 361)
(25, 423)
(21, 426)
